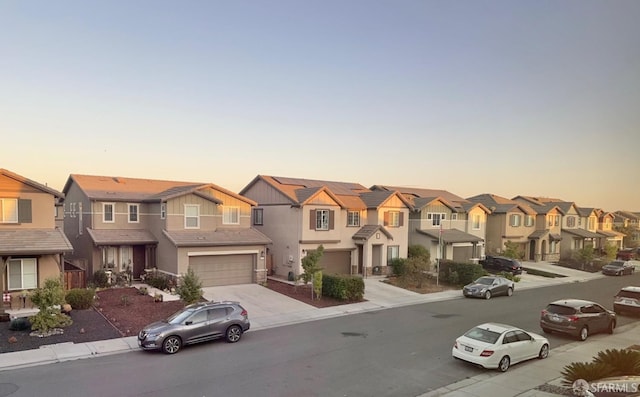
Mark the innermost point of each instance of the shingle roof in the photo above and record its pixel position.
(580, 233)
(420, 192)
(218, 237)
(450, 236)
(501, 205)
(33, 242)
(610, 233)
(121, 236)
(367, 231)
(31, 183)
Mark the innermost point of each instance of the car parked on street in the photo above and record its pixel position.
(501, 264)
(198, 322)
(618, 268)
(628, 254)
(577, 317)
(627, 300)
(489, 286)
(497, 346)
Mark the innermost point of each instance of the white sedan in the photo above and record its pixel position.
(494, 345)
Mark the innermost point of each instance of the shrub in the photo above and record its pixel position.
(100, 279)
(587, 371)
(310, 263)
(317, 284)
(190, 289)
(343, 287)
(460, 273)
(510, 276)
(80, 298)
(419, 251)
(20, 324)
(623, 361)
(49, 299)
(46, 320)
(158, 280)
(398, 266)
(415, 271)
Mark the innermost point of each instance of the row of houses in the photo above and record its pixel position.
(134, 225)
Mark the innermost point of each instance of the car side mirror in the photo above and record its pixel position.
(188, 322)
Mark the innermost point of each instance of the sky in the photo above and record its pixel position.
(537, 98)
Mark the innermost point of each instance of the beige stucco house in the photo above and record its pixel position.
(360, 230)
(606, 233)
(509, 221)
(32, 248)
(449, 226)
(127, 224)
(551, 217)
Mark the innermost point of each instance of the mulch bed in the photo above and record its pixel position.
(302, 293)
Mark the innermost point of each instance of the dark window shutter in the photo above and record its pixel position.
(401, 219)
(331, 219)
(386, 218)
(312, 220)
(24, 211)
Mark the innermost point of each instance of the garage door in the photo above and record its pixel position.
(336, 262)
(218, 270)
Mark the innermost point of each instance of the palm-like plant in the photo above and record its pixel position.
(623, 361)
(587, 371)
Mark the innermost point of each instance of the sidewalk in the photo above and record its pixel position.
(521, 380)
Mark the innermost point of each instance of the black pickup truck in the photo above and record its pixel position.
(501, 264)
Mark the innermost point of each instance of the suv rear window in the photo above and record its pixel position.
(562, 310)
(628, 294)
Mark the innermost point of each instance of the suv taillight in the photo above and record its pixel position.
(244, 312)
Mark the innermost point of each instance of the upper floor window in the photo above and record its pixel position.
(191, 216)
(22, 274)
(528, 220)
(108, 211)
(163, 210)
(592, 222)
(436, 218)
(571, 221)
(393, 219)
(549, 220)
(231, 215)
(8, 210)
(353, 218)
(514, 220)
(134, 209)
(556, 220)
(322, 219)
(476, 222)
(258, 216)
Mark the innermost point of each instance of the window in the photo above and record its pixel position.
(528, 220)
(133, 213)
(191, 216)
(476, 222)
(231, 216)
(8, 210)
(592, 222)
(436, 218)
(514, 220)
(163, 210)
(108, 212)
(549, 220)
(22, 274)
(556, 220)
(353, 218)
(393, 252)
(552, 247)
(394, 219)
(454, 217)
(258, 216)
(322, 219)
(571, 221)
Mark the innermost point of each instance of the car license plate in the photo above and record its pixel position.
(468, 348)
(627, 302)
(555, 318)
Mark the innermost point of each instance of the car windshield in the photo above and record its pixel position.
(483, 335)
(484, 280)
(179, 316)
(629, 294)
(616, 264)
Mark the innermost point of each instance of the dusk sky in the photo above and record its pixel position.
(513, 98)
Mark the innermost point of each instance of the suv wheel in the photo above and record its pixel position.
(584, 334)
(171, 345)
(233, 334)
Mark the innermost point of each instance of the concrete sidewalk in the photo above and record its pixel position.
(520, 380)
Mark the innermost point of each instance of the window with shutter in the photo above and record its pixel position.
(24, 211)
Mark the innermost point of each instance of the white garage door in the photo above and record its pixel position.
(336, 262)
(218, 270)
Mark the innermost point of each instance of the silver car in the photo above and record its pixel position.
(196, 323)
(488, 286)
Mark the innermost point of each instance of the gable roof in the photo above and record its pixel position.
(32, 183)
(116, 188)
(581, 233)
(450, 236)
(367, 231)
(582, 211)
(411, 192)
(33, 242)
(501, 205)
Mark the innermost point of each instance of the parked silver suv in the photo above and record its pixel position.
(196, 323)
(627, 300)
(577, 317)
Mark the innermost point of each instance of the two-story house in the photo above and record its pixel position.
(606, 234)
(449, 226)
(583, 234)
(32, 248)
(630, 221)
(361, 231)
(128, 224)
(509, 221)
(545, 240)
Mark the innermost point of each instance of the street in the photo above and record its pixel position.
(403, 351)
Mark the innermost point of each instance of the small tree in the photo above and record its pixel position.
(512, 250)
(416, 270)
(419, 251)
(610, 251)
(310, 264)
(190, 289)
(317, 284)
(49, 299)
(584, 255)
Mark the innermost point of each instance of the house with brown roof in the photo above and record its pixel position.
(121, 224)
(577, 238)
(549, 226)
(630, 221)
(515, 222)
(605, 231)
(361, 230)
(449, 226)
(32, 247)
